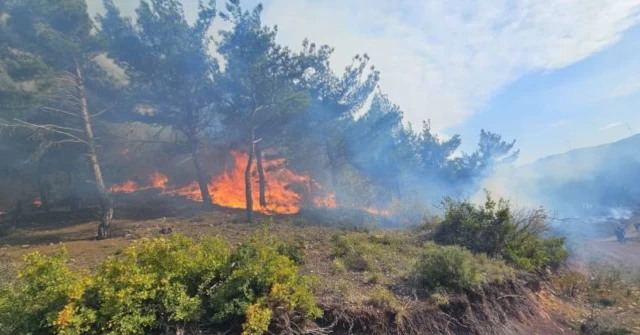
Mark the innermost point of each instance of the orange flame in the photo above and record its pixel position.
(378, 212)
(228, 189)
(156, 181)
(326, 201)
(37, 202)
(127, 186)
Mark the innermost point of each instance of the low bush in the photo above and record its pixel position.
(383, 299)
(494, 229)
(456, 268)
(338, 267)
(33, 303)
(158, 286)
(570, 283)
(452, 267)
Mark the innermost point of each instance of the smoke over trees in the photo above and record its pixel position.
(238, 90)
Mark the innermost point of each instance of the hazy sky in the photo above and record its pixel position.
(553, 74)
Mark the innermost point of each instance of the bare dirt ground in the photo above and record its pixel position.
(627, 254)
(626, 309)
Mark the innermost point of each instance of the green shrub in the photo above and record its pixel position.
(257, 273)
(293, 250)
(157, 285)
(439, 298)
(532, 253)
(32, 304)
(342, 245)
(493, 229)
(452, 267)
(383, 299)
(338, 267)
(494, 270)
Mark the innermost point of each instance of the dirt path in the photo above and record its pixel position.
(628, 254)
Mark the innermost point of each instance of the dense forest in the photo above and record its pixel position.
(91, 106)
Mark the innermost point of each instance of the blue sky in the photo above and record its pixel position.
(551, 74)
(590, 102)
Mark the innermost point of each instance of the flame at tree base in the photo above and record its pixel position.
(228, 189)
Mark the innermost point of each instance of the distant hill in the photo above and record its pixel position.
(597, 180)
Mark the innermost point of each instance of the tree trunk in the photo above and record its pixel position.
(106, 205)
(247, 175)
(43, 191)
(333, 170)
(17, 212)
(202, 180)
(43, 194)
(73, 200)
(263, 198)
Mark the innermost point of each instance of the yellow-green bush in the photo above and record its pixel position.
(33, 303)
(384, 299)
(158, 285)
(454, 267)
(451, 267)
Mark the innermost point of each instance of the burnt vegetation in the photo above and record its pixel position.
(159, 129)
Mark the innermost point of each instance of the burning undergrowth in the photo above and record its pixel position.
(285, 192)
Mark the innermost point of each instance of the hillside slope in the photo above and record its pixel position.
(588, 181)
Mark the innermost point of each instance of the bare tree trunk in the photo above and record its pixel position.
(332, 170)
(43, 194)
(263, 186)
(43, 191)
(73, 200)
(247, 175)
(202, 180)
(17, 212)
(106, 205)
(310, 196)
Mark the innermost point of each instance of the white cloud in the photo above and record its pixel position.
(611, 126)
(443, 59)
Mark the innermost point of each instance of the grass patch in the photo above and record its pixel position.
(383, 299)
(383, 255)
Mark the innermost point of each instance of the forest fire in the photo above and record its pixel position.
(128, 186)
(156, 181)
(326, 201)
(227, 189)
